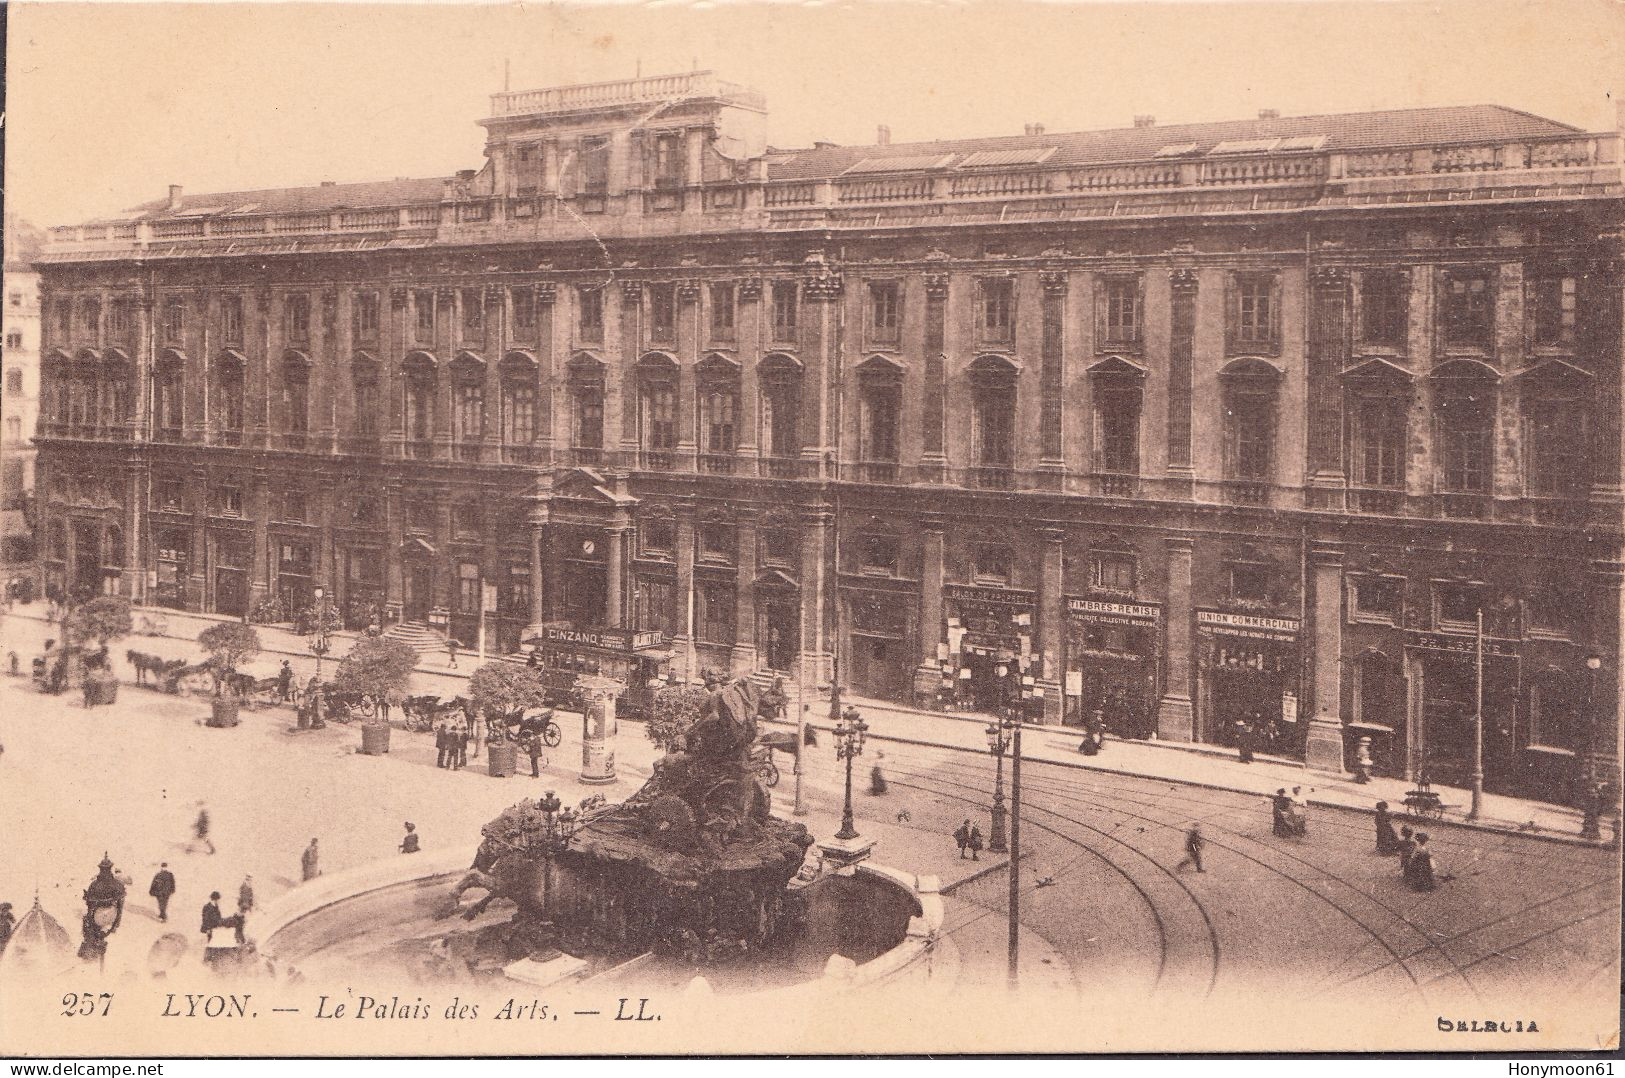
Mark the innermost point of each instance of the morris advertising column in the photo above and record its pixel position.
(598, 729)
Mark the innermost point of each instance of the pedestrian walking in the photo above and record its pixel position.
(440, 744)
(1280, 805)
(1194, 842)
(245, 895)
(211, 914)
(1422, 872)
(1407, 848)
(1300, 811)
(284, 681)
(451, 650)
(162, 888)
(12, 661)
(200, 828)
(308, 863)
(1244, 741)
(409, 844)
(1387, 840)
(962, 838)
(459, 747)
(533, 747)
(975, 842)
(877, 777)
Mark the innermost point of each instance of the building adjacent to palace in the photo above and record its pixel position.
(19, 404)
(1185, 424)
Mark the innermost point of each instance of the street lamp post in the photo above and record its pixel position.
(1013, 698)
(1477, 777)
(998, 742)
(559, 827)
(849, 733)
(1591, 827)
(319, 642)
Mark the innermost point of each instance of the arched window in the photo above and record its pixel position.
(418, 390)
(1249, 393)
(1464, 421)
(718, 379)
(169, 384)
(586, 407)
(296, 397)
(518, 399)
(993, 412)
(364, 387)
(228, 397)
(467, 399)
(880, 411)
(1118, 388)
(657, 394)
(780, 379)
(1555, 413)
(1556, 702)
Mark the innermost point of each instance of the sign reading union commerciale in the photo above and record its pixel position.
(1218, 621)
(608, 639)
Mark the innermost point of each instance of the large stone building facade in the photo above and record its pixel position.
(1180, 424)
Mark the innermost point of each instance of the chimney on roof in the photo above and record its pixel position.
(1145, 121)
(1035, 129)
(882, 135)
(327, 183)
(823, 145)
(1269, 114)
(174, 197)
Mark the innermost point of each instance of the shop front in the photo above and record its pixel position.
(232, 555)
(1249, 668)
(1447, 698)
(638, 659)
(985, 628)
(362, 600)
(172, 545)
(876, 624)
(1111, 664)
(294, 565)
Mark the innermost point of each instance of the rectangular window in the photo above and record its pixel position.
(1382, 308)
(1120, 311)
(473, 310)
(118, 316)
(1117, 413)
(1457, 604)
(1253, 314)
(420, 513)
(657, 605)
(719, 542)
(590, 322)
(174, 321)
(1554, 300)
(1556, 448)
(1468, 310)
(293, 506)
(468, 411)
(1112, 572)
(1378, 596)
(722, 311)
(885, 312)
(784, 310)
(228, 501)
(93, 317)
(1249, 583)
(991, 564)
(1249, 434)
(423, 301)
(996, 311)
(524, 309)
(14, 429)
(669, 161)
(14, 380)
(14, 339)
(781, 547)
(714, 613)
(231, 319)
(663, 312)
(296, 318)
(595, 165)
(364, 317)
(878, 554)
(468, 587)
(1464, 426)
(657, 538)
(1379, 442)
(589, 418)
(168, 496)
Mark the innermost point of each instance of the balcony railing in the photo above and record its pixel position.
(1464, 506)
(1374, 500)
(1246, 492)
(872, 471)
(1117, 485)
(524, 454)
(468, 452)
(788, 468)
(656, 88)
(420, 449)
(718, 463)
(658, 460)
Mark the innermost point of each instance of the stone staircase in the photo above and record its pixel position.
(419, 637)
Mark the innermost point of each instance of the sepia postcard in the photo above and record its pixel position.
(788, 529)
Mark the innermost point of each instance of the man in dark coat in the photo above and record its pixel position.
(440, 745)
(1280, 805)
(962, 837)
(211, 914)
(163, 886)
(533, 748)
(284, 681)
(975, 842)
(1244, 741)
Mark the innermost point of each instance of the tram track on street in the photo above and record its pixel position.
(935, 782)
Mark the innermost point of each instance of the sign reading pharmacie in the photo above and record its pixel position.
(1462, 644)
(1250, 626)
(602, 639)
(1100, 612)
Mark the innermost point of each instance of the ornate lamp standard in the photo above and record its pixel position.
(998, 743)
(1591, 827)
(559, 827)
(104, 910)
(849, 733)
(320, 642)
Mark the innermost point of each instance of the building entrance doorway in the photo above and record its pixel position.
(232, 558)
(778, 634)
(879, 667)
(1449, 688)
(87, 559)
(418, 597)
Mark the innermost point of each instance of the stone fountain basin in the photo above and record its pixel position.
(875, 926)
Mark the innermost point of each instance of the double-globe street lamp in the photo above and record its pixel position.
(320, 640)
(998, 743)
(558, 831)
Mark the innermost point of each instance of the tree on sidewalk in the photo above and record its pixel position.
(103, 619)
(229, 644)
(505, 690)
(378, 667)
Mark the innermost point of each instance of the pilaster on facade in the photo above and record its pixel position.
(1323, 748)
(1175, 713)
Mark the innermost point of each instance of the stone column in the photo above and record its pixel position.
(743, 660)
(1051, 622)
(684, 639)
(1051, 375)
(447, 319)
(197, 570)
(934, 456)
(1323, 748)
(928, 674)
(1182, 285)
(614, 599)
(538, 585)
(260, 505)
(394, 536)
(815, 547)
(1328, 348)
(1175, 719)
(822, 357)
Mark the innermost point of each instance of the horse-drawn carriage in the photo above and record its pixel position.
(525, 729)
(421, 713)
(761, 754)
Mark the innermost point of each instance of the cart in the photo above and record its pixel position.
(761, 755)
